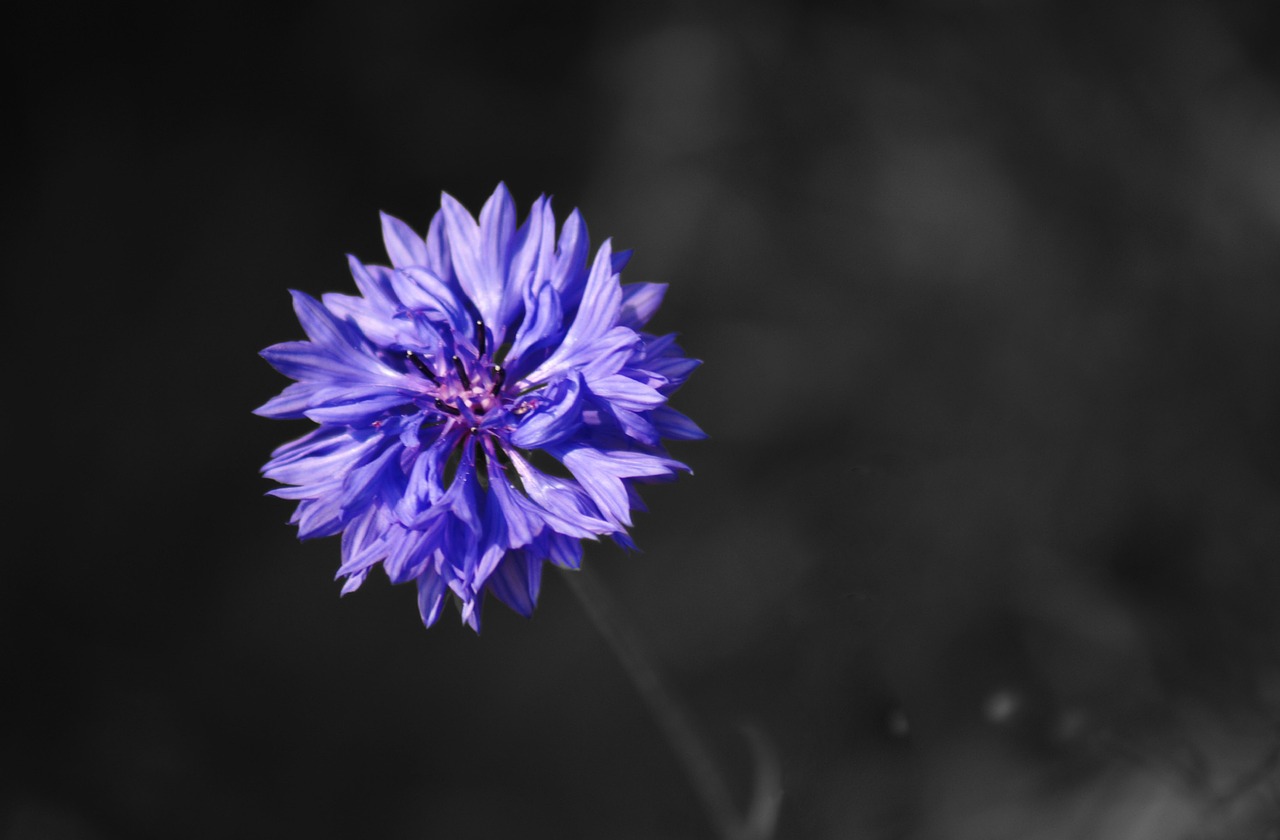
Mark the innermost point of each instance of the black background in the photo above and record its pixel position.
(986, 538)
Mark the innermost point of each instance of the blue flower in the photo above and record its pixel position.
(484, 405)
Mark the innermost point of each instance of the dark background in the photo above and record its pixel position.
(986, 538)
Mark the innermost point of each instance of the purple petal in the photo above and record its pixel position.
(431, 589)
(564, 551)
(497, 229)
(518, 514)
(565, 505)
(636, 426)
(353, 582)
(571, 259)
(639, 302)
(420, 289)
(515, 582)
(370, 319)
(465, 248)
(601, 301)
(373, 285)
(601, 474)
(542, 319)
(320, 325)
(289, 404)
(626, 393)
(363, 543)
(674, 425)
(404, 247)
(357, 412)
(438, 258)
(555, 418)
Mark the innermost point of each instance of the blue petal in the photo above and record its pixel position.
(465, 249)
(353, 582)
(321, 326)
(357, 412)
(557, 416)
(363, 543)
(601, 474)
(431, 589)
(374, 286)
(323, 465)
(674, 425)
(497, 229)
(635, 425)
(362, 483)
(564, 551)
(607, 354)
(639, 302)
(412, 557)
(674, 370)
(289, 404)
(303, 360)
(373, 321)
(471, 612)
(516, 581)
(598, 357)
(438, 259)
(319, 517)
(420, 289)
(571, 259)
(490, 557)
(542, 319)
(530, 253)
(519, 516)
(404, 247)
(565, 506)
(626, 393)
(620, 260)
(601, 301)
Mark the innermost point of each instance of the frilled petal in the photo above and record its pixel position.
(639, 302)
(480, 252)
(601, 302)
(358, 412)
(421, 291)
(542, 320)
(571, 259)
(625, 392)
(531, 253)
(673, 425)
(404, 247)
(431, 590)
(320, 456)
(556, 417)
(290, 403)
(516, 582)
(602, 356)
(566, 507)
(564, 551)
(601, 474)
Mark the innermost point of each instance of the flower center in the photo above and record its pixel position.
(464, 391)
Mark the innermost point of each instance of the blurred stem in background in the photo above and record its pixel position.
(676, 724)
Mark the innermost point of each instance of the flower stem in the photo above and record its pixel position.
(666, 709)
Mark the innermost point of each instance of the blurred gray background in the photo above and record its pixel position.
(986, 537)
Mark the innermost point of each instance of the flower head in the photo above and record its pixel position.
(484, 404)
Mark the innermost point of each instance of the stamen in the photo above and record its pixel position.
(462, 372)
(499, 376)
(446, 408)
(421, 365)
(479, 338)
